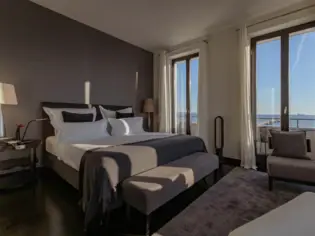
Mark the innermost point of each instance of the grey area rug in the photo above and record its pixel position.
(239, 197)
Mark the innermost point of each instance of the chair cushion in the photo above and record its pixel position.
(289, 144)
(292, 169)
(151, 189)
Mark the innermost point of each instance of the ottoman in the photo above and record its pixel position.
(295, 218)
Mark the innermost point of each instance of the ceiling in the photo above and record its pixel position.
(159, 24)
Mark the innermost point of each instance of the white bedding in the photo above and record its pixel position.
(71, 153)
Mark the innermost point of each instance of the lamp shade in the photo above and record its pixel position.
(7, 94)
(148, 105)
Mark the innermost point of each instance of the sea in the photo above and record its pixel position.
(296, 121)
(193, 116)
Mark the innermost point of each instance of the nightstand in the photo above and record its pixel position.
(18, 172)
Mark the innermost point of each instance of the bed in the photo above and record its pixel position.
(50, 150)
(64, 158)
(98, 166)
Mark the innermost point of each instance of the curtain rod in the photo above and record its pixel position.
(271, 18)
(203, 40)
(285, 14)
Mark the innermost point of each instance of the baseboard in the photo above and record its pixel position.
(261, 162)
(231, 161)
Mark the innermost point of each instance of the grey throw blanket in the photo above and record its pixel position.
(102, 169)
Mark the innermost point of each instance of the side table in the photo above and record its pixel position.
(18, 172)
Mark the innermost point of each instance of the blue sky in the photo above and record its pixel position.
(181, 85)
(301, 72)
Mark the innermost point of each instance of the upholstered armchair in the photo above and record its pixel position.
(290, 160)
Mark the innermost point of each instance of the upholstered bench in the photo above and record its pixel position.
(151, 189)
(293, 218)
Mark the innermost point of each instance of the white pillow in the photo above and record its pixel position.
(126, 126)
(55, 114)
(112, 114)
(82, 131)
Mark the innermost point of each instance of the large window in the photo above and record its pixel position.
(283, 66)
(185, 94)
(268, 86)
(302, 78)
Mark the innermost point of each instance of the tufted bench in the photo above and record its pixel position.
(151, 189)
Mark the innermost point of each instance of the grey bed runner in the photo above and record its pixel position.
(102, 169)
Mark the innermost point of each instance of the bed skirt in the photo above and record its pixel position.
(63, 170)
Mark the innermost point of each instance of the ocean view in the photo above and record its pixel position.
(181, 116)
(296, 121)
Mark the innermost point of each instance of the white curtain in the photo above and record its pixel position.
(203, 122)
(164, 93)
(248, 158)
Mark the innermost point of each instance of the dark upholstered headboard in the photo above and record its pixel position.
(48, 130)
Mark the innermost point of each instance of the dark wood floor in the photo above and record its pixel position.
(50, 208)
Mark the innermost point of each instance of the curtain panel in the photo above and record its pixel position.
(203, 123)
(248, 158)
(163, 92)
(163, 89)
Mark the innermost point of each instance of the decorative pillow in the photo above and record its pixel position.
(112, 114)
(69, 132)
(289, 144)
(120, 115)
(55, 114)
(77, 117)
(126, 126)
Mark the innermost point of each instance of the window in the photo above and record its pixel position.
(185, 94)
(302, 79)
(283, 75)
(268, 82)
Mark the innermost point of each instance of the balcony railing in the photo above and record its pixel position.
(275, 122)
(265, 124)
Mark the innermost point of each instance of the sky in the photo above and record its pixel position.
(301, 75)
(181, 85)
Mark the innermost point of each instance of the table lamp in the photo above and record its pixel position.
(149, 108)
(7, 97)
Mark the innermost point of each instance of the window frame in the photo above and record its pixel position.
(187, 60)
(284, 35)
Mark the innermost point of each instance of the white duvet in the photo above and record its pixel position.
(71, 152)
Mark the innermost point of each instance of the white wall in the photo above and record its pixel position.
(224, 77)
(224, 88)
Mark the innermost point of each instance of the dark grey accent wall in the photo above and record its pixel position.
(48, 57)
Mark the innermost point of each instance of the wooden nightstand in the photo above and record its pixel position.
(18, 172)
